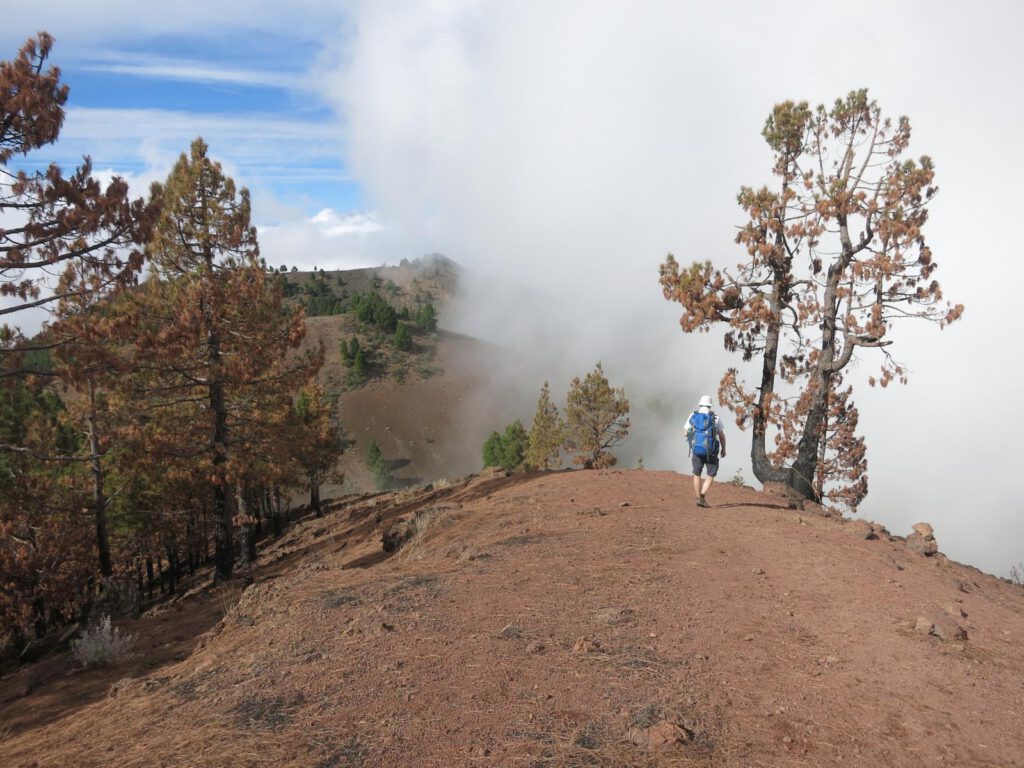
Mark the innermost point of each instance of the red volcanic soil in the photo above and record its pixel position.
(563, 619)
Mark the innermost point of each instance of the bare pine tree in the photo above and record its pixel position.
(835, 257)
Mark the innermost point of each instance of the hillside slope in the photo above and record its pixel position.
(428, 427)
(430, 408)
(574, 618)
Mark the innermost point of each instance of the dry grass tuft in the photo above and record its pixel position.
(102, 645)
(422, 523)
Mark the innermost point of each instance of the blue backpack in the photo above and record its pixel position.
(704, 441)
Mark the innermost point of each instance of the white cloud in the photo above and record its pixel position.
(573, 144)
(328, 240)
(335, 224)
(81, 27)
(196, 71)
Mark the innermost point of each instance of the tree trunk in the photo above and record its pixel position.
(248, 544)
(314, 495)
(149, 576)
(806, 463)
(224, 546)
(763, 469)
(172, 569)
(139, 582)
(99, 500)
(819, 480)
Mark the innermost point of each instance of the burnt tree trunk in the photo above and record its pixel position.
(314, 495)
(99, 500)
(829, 361)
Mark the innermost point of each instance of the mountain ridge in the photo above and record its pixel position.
(575, 618)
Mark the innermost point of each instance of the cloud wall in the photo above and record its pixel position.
(561, 149)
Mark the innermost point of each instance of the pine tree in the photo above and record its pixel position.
(547, 434)
(506, 449)
(214, 339)
(360, 368)
(52, 221)
(378, 466)
(836, 257)
(597, 419)
(317, 443)
(492, 452)
(90, 360)
(426, 317)
(402, 340)
(513, 446)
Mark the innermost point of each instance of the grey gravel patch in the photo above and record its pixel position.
(412, 582)
(647, 716)
(543, 737)
(271, 712)
(519, 541)
(614, 615)
(192, 687)
(351, 754)
(590, 736)
(339, 599)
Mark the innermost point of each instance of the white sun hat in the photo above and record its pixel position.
(705, 401)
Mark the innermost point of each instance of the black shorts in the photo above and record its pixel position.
(699, 463)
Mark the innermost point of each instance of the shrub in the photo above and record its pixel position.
(426, 317)
(102, 645)
(402, 339)
(373, 309)
(375, 460)
(506, 450)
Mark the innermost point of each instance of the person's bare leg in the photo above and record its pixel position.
(696, 486)
(707, 484)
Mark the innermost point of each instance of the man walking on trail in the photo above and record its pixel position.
(705, 435)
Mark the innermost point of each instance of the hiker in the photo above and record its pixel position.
(705, 436)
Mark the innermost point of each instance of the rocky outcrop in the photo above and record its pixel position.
(941, 625)
(922, 540)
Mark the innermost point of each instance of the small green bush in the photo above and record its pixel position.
(507, 449)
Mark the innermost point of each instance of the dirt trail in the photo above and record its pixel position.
(576, 618)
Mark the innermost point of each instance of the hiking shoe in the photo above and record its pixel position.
(702, 503)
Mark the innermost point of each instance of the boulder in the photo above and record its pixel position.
(659, 736)
(862, 529)
(940, 625)
(924, 529)
(922, 540)
(918, 543)
(881, 531)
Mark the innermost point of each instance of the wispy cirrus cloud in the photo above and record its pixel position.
(191, 70)
(262, 147)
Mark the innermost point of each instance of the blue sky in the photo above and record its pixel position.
(247, 95)
(146, 79)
